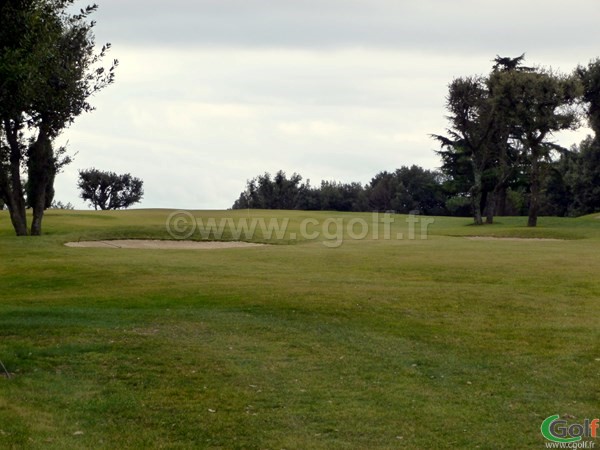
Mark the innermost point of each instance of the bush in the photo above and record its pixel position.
(459, 206)
(60, 205)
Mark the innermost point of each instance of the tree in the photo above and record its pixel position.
(420, 190)
(590, 79)
(107, 190)
(381, 191)
(479, 158)
(48, 71)
(501, 131)
(336, 196)
(470, 135)
(507, 163)
(534, 105)
(582, 178)
(407, 189)
(572, 187)
(583, 174)
(557, 195)
(267, 192)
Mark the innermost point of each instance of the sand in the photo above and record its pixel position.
(162, 245)
(492, 238)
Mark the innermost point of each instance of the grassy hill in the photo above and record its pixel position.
(441, 342)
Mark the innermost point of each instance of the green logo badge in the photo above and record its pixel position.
(556, 429)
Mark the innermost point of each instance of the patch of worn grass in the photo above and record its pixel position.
(436, 343)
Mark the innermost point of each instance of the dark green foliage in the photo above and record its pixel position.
(458, 206)
(557, 195)
(281, 192)
(507, 64)
(500, 135)
(407, 189)
(267, 192)
(107, 190)
(471, 143)
(583, 178)
(335, 196)
(590, 78)
(573, 185)
(382, 190)
(534, 105)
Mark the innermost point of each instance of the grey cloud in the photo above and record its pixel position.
(434, 25)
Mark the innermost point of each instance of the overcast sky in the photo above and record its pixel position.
(210, 93)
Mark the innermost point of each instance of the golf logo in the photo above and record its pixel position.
(558, 431)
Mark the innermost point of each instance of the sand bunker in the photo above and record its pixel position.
(492, 238)
(163, 245)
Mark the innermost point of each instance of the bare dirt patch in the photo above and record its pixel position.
(162, 245)
(492, 238)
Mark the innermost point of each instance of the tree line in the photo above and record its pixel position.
(406, 189)
(498, 155)
(572, 188)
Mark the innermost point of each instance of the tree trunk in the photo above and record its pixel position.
(490, 208)
(506, 172)
(483, 202)
(17, 214)
(12, 184)
(534, 198)
(36, 223)
(18, 219)
(476, 197)
(41, 172)
(500, 196)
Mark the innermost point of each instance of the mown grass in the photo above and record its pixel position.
(426, 343)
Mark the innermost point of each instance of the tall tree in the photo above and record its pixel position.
(590, 79)
(507, 162)
(501, 128)
(479, 159)
(584, 176)
(470, 134)
(535, 104)
(48, 71)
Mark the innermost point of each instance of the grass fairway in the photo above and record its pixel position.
(436, 343)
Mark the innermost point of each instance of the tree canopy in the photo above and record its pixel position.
(501, 132)
(49, 69)
(404, 190)
(107, 190)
